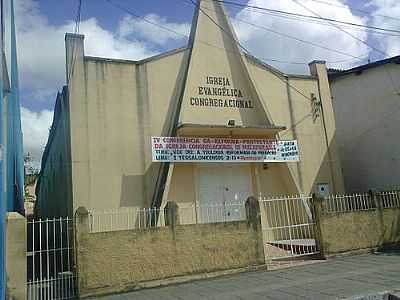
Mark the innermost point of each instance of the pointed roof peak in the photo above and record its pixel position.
(211, 25)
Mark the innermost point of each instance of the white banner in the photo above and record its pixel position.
(193, 149)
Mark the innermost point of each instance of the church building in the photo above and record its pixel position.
(204, 124)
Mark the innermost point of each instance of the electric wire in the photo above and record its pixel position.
(245, 49)
(76, 31)
(320, 22)
(136, 15)
(288, 130)
(78, 16)
(360, 57)
(342, 30)
(396, 89)
(171, 30)
(295, 89)
(356, 9)
(317, 17)
(295, 38)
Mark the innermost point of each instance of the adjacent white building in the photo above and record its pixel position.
(366, 101)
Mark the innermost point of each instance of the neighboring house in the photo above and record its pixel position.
(11, 152)
(366, 100)
(99, 151)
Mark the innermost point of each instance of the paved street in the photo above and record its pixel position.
(334, 279)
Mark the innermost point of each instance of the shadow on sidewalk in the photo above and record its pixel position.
(391, 250)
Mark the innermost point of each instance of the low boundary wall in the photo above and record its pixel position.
(341, 232)
(110, 262)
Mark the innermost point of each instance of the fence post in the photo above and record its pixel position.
(171, 214)
(253, 216)
(16, 256)
(319, 211)
(81, 229)
(377, 199)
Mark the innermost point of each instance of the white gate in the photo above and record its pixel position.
(288, 227)
(50, 259)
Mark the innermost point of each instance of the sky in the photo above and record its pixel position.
(113, 32)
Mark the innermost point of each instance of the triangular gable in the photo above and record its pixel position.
(218, 84)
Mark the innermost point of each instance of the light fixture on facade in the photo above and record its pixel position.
(231, 123)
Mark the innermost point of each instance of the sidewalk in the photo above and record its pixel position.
(337, 278)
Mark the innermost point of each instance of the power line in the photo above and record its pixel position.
(355, 9)
(285, 81)
(145, 19)
(136, 15)
(342, 30)
(358, 39)
(287, 130)
(77, 28)
(186, 36)
(304, 118)
(299, 40)
(378, 50)
(78, 16)
(319, 22)
(244, 48)
(318, 17)
(296, 38)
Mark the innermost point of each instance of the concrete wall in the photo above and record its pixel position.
(116, 106)
(16, 257)
(350, 231)
(319, 159)
(367, 114)
(137, 256)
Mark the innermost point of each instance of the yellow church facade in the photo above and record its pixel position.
(101, 155)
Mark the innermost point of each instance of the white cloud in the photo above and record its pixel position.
(140, 29)
(41, 56)
(389, 44)
(269, 45)
(35, 128)
(41, 45)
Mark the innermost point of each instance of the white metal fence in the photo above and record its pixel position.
(212, 213)
(351, 202)
(50, 259)
(125, 219)
(143, 218)
(288, 227)
(360, 202)
(390, 199)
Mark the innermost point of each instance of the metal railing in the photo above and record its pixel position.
(288, 226)
(390, 199)
(348, 203)
(125, 219)
(362, 202)
(143, 218)
(50, 259)
(212, 213)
